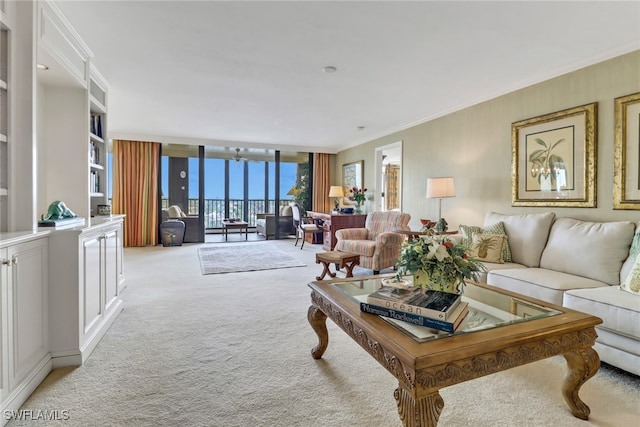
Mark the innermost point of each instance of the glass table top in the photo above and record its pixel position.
(487, 309)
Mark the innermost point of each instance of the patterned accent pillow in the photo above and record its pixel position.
(635, 243)
(632, 282)
(497, 228)
(487, 247)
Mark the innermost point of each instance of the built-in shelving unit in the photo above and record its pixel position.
(4, 128)
(97, 140)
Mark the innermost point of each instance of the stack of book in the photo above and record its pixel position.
(424, 307)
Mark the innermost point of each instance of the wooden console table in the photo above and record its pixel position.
(334, 222)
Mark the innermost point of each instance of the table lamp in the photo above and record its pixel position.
(337, 193)
(439, 188)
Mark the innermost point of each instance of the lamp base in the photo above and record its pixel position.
(336, 205)
(441, 225)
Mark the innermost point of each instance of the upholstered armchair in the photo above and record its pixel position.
(378, 246)
(266, 223)
(193, 232)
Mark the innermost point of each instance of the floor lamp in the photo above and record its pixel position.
(439, 188)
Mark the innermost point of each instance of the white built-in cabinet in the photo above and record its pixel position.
(59, 289)
(24, 324)
(86, 277)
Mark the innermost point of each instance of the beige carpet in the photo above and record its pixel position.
(186, 353)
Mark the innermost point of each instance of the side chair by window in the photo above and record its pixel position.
(303, 225)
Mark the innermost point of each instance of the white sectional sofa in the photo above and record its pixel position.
(579, 265)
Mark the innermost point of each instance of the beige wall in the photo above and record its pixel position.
(474, 146)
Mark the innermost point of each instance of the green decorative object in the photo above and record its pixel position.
(57, 211)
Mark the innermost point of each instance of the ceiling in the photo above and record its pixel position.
(250, 73)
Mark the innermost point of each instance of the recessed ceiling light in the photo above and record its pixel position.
(329, 69)
(360, 127)
(41, 67)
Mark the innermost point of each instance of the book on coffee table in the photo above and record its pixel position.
(455, 318)
(416, 301)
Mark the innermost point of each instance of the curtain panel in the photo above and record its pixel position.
(391, 176)
(321, 182)
(135, 190)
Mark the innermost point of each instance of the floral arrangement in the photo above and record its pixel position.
(358, 195)
(437, 263)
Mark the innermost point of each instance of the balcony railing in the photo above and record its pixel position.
(214, 211)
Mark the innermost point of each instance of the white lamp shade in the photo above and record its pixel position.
(336, 191)
(440, 188)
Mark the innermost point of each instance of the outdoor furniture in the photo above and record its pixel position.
(340, 259)
(266, 223)
(193, 233)
(235, 224)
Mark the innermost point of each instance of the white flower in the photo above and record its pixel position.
(439, 251)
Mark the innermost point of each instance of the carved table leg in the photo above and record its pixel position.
(583, 364)
(318, 321)
(422, 413)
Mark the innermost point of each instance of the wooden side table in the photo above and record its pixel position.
(340, 259)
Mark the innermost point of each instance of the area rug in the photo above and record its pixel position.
(244, 257)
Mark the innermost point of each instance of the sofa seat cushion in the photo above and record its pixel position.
(490, 266)
(527, 234)
(360, 247)
(595, 250)
(619, 311)
(540, 283)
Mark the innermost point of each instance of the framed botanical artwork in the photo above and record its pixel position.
(352, 175)
(626, 153)
(554, 159)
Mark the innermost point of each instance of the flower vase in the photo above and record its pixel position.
(422, 279)
(358, 209)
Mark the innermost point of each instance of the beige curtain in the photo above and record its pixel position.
(321, 182)
(391, 195)
(135, 190)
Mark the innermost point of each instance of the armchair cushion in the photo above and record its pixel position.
(352, 234)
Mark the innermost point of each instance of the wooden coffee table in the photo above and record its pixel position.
(240, 225)
(503, 330)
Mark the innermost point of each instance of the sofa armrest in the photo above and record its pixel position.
(262, 215)
(352, 234)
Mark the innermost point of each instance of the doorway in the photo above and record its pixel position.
(389, 177)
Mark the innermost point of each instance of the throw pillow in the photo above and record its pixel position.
(497, 228)
(487, 247)
(632, 282)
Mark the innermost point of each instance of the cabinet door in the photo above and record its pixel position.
(91, 283)
(5, 279)
(111, 267)
(29, 300)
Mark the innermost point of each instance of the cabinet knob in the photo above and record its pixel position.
(14, 260)
(6, 262)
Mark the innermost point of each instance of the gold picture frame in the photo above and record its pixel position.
(352, 175)
(554, 159)
(626, 153)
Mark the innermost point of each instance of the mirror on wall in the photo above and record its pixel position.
(389, 177)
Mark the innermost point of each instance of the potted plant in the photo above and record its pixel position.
(437, 262)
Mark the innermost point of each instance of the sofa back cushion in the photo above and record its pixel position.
(286, 211)
(527, 234)
(595, 250)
